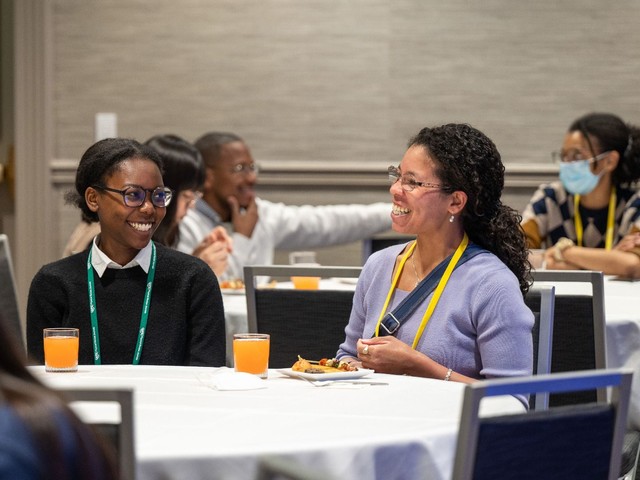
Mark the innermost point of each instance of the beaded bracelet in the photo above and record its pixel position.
(448, 375)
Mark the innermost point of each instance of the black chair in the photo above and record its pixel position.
(380, 241)
(118, 435)
(578, 330)
(541, 301)
(579, 343)
(309, 323)
(578, 441)
(8, 294)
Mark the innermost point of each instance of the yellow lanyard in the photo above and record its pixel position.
(611, 218)
(436, 294)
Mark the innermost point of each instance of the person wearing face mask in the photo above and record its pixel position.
(581, 218)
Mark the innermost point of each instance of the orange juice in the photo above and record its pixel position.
(61, 353)
(306, 283)
(251, 353)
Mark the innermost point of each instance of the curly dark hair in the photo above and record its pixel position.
(100, 161)
(467, 160)
(612, 133)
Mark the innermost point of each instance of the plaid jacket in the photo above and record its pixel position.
(550, 216)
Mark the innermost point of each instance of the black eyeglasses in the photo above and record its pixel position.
(135, 196)
(409, 184)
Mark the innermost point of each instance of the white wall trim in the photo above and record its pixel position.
(325, 174)
(35, 224)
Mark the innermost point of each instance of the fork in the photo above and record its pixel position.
(326, 383)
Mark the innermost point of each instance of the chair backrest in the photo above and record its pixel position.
(541, 302)
(579, 341)
(378, 242)
(119, 435)
(309, 323)
(8, 295)
(578, 441)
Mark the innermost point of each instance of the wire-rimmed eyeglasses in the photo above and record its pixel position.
(135, 196)
(409, 184)
(560, 157)
(245, 168)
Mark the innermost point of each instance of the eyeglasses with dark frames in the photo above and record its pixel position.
(135, 196)
(409, 184)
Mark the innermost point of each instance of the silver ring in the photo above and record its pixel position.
(365, 350)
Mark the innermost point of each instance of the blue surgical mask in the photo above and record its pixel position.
(577, 177)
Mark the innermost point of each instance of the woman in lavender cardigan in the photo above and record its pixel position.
(446, 191)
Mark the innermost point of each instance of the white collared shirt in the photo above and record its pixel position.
(101, 261)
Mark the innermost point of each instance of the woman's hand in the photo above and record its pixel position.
(629, 242)
(390, 355)
(215, 250)
(551, 261)
(387, 355)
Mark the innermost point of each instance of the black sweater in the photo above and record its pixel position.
(186, 317)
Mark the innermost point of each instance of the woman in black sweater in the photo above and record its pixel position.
(104, 290)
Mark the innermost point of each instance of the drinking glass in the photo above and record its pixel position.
(304, 259)
(61, 349)
(251, 353)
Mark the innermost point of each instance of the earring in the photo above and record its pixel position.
(452, 218)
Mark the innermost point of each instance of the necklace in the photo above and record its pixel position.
(415, 270)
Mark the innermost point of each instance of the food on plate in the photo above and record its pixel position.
(325, 365)
(232, 284)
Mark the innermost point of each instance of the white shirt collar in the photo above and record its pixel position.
(101, 261)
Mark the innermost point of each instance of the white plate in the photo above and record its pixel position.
(233, 291)
(363, 372)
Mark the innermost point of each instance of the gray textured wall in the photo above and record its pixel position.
(342, 80)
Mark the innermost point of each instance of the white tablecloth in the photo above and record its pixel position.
(185, 429)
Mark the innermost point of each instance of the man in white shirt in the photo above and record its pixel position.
(258, 226)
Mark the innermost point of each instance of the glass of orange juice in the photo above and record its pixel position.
(61, 349)
(251, 353)
(304, 259)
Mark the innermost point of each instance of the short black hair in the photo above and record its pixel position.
(211, 143)
(100, 161)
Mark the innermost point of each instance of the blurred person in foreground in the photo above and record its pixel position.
(581, 218)
(184, 174)
(472, 322)
(133, 299)
(259, 227)
(40, 437)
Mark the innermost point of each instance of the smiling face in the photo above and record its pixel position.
(126, 230)
(223, 182)
(424, 209)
